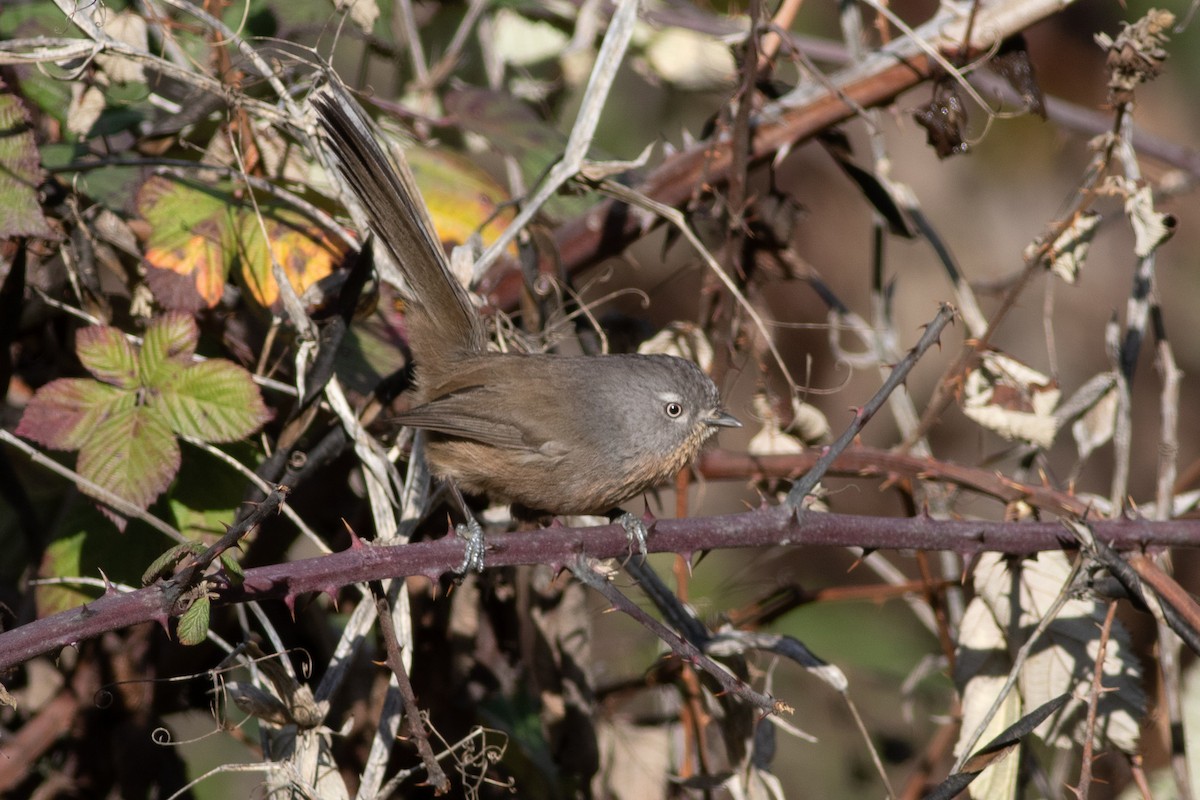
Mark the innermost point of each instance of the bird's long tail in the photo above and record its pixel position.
(443, 325)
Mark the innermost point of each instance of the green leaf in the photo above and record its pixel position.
(373, 347)
(199, 234)
(165, 564)
(236, 576)
(193, 625)
(191, 247)
(65, 413)
(113, 187)
(107, 354)
(20, 174)
(302, 249)
(64, 557)
(207, 493)
(133, 454)
(215, 401)
(461, 197)
(170, 342)
(125, 426)
(86, 542)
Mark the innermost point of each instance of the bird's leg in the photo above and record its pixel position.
(635, 529)
(470, 532)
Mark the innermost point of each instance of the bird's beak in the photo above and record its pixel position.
(722, 419)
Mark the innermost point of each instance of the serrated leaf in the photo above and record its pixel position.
(125, 427)
(132, 454)
(63, 557)
(203, 500)
(43, 89)
(170, 340)
(107, 354)
(214, 400)
(199, 234)
(85, 542)
(193, 624)
(20, 174)
(373, 347)
(64, 413)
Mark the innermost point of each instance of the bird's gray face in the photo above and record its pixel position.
(679, 408)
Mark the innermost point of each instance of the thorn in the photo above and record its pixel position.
(355, 542)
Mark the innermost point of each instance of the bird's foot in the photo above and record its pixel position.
(635, 531)
(472, 534)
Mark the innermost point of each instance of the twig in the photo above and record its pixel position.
(608, 59)
(1089, 736)
(249, 53)
(416, 51)
(79, 14)
(932, 333)
(680, 646)
(94, 490)
(676, 217)
(416, 725)
(1169, 644)
(441, 70)
(263, 486)
(187, 577)
(559, 546)
(1035, 259)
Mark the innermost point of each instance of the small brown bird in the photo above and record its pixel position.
(557, 434)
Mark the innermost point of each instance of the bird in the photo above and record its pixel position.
(548, 433)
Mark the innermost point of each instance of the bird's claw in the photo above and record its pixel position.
(635, 531)
(472, 534)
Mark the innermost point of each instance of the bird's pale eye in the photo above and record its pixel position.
(673, 409)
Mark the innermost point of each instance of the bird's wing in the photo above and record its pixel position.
(457, 415)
